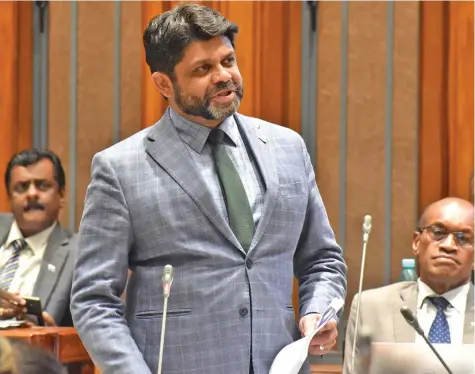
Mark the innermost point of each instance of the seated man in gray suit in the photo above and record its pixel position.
(35, 251)
(442, 298)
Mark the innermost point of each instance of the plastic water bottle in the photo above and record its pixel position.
(409, 272)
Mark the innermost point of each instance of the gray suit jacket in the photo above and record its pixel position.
(147, 206)
(53, 288)
(380, 315)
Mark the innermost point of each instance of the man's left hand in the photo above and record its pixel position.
(324, 340)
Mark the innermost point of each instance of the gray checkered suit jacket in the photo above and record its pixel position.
(146, 207)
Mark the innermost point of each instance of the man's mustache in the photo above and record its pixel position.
(222, 86)
(34, 205)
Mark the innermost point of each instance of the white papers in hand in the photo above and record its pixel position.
(291, 358)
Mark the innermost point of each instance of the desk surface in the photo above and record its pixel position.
(63, 342)
(325, 369)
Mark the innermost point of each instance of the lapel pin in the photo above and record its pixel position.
(51, 268)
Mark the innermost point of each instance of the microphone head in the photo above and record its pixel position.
(167, 273)
(411, 319)
(367, 224)
(408, 315)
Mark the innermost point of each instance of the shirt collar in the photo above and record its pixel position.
(456, 297)
(35, 242)
(196, 135)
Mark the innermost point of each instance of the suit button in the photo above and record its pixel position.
(243, 311)
(249, 264)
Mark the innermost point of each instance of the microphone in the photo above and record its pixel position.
(411, 319)
(167, 280)
(366, 232)
(366, 227)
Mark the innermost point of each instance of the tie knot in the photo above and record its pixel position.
(216, 136)
(18, 245)
(441, 303)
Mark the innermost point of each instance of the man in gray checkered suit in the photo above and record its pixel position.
(230, 201)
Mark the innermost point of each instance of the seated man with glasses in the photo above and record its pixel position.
(443, 296)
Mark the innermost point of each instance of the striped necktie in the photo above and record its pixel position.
(11, 266)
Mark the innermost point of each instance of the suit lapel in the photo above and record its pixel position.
(403, 332)
(165, 146)
(52, 265)
(468, 329)
(4, 231)
(260, 148)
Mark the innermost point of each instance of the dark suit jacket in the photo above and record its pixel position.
(52, 287)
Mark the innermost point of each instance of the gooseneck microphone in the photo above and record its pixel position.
(411, 319)
(167, 280)
(366, 231)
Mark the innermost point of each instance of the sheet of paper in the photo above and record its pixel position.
(291, 358)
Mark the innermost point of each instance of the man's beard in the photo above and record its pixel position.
(203, 107)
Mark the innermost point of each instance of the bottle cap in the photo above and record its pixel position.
(408, 263)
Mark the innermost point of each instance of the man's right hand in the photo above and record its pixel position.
(11, 305)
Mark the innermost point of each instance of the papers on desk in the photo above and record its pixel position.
(291, 358)
(11, 324)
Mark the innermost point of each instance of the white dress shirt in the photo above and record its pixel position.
(30, 260)
(455, 312)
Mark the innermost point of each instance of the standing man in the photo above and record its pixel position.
(35, 250)
(230, 201)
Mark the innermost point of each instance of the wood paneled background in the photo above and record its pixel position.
(426, 47)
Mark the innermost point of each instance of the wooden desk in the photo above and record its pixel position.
(63, 342)
(325, 369)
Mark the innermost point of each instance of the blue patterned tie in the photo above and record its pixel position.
(11, 266)
(439, 331)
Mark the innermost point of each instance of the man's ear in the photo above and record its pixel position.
(416, 239)
(62, 197)
(163, 83)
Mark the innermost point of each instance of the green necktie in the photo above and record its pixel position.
(239, 209)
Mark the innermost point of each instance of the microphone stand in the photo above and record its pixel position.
(162, 334)
(436, 353)
(168, 279)
(411, 319)
(366, 231)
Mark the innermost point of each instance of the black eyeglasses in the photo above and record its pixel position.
(438, 233)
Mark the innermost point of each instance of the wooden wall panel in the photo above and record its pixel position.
(58, 91)
(329, 107)
(8, 87)
(366, 138)
(16, 109)
(272, 57)
(460, 98)
(366, 56)
(446, 97)
(433, 176)
(25, 76)
(131, 68)
(293, 47)
(404, 133)
(95, 89)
